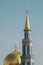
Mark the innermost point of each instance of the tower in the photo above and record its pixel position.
(27, 57)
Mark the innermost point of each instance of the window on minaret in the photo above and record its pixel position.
(28, 50)
(28, 63)
(23, 50)
(26, 34)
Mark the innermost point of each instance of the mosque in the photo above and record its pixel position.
(27, 58)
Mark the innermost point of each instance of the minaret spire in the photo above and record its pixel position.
(15, 47)
(27, 25)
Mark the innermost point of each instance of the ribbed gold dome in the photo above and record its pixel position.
(13, 58)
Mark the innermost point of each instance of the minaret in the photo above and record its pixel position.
(27, 57)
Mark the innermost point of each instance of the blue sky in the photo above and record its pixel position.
(12, 21)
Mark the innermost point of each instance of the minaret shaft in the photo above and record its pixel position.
(27, 45)
(26, 34)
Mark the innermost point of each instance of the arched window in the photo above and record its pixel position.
(23, 50)
(28, 50)
(26, 34)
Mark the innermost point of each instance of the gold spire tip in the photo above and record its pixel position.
(15, 47)
(27, 11)
(27, 25)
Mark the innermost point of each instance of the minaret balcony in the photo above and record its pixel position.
(27, 57)
(26, 41)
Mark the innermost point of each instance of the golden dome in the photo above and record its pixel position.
(13, 58)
